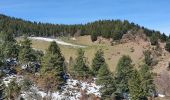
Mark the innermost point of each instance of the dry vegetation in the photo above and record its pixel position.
(112, 53)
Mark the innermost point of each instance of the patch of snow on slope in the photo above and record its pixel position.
(70, 91)
(9, 78)
(57, 41)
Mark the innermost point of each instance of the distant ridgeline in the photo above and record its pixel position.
(105, 28)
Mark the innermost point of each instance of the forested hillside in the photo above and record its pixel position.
(106, 28)
(44, 68)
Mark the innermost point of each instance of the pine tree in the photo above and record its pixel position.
(54, 48)
(94, 36)
(123, 73)
(154, 39)
(25, 54)
(98, 61)
(105, 79)
(147, 80)
(164, 37)
(11, 50)
(80, 69)
(134, 85)
(53, 65)
(9, 46)
(6, 37)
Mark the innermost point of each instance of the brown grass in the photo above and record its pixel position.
(112, 53)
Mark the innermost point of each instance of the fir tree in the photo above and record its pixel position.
(80, 69)
(134, 85)
(154, 39)
(54, 48)
(53, 65)
(94, 36)
(105, 79)
(98, 61)
(147, 80)
(123, 73)
(25, 54)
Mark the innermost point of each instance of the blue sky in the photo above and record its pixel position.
(154, 14)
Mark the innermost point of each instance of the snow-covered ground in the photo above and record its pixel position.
(70, 91)
(57, 41)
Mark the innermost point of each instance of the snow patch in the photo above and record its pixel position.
(57, 41)
(70, 91)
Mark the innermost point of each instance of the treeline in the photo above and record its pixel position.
(105, 28)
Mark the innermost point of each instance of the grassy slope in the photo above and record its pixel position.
(112, 53)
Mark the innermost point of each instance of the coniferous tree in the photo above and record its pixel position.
(9, 46)
(105, 79)
(94, 36)
(80, 69)
(54, 48)
(6, 37)
(11, 50)
(53, 65)
(135, 88)
(105, 28)
(123, 73)
(98, 61)
(154, 40)
(147, 83)
(164, 37)
(25, 54)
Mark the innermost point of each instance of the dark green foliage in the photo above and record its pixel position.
(94, 36)
(147, 83)
(53, 65)
(105, 28)
(167, 46)
(9, 47)
(6, 37)
(148, 59)
(98, 61)
(11, 50)
(105, 79)
(154, 40)
(124, 70)
(54, 48)
(26, 52)
(117, 36)
(134, 85)
(164, 37)
(80, 68)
